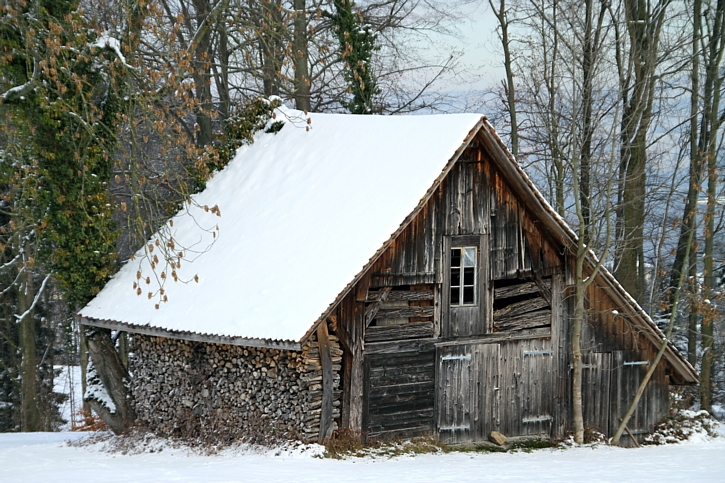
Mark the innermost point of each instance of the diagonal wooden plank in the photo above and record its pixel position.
(372, 310)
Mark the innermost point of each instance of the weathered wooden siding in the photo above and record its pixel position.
(619, 355)
(399, 393)
(415, 365)
(472, 207)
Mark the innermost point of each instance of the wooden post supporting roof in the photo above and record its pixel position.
(323, 343)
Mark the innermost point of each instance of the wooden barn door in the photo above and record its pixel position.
(596, 377)
(628, 370)
(467, 393)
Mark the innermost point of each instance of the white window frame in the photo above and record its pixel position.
(462, 285)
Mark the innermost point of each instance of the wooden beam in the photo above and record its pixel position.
(414, 330)
(525, 321)
(544, 289)
(515, 290)
(538, 333)
(323, 343)
(405, 312)
(357, 378)
(403, 278)
(401, 295)
(414, 345)
(519, 308)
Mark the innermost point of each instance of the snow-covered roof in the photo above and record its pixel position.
(302, 212)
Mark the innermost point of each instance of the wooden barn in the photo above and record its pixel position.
(397, 276)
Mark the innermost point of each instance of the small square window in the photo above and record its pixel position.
(463, 285)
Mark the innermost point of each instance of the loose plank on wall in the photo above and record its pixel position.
(515, 290)
(526, 321)
(402, 312)
(519, 308)
(413, 330)
(398, 295)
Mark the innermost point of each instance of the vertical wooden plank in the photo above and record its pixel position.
(596, 383)
(323, 343)
(357, 371)
(445, 288)
(484, 322)
(476, 384)
(617, 402)
(366, 399)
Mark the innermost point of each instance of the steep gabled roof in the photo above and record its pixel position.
(301, 213)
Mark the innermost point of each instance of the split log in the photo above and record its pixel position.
(519, 308)
(405, 312)
(413, 330)
(527, 321)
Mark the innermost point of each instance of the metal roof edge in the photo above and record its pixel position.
(194, 336)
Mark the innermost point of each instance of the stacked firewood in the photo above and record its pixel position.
(181, 387)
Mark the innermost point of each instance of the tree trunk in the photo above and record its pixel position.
(271, 52)
(301, 57)
(693, 315)
(576, 359)
(709, 312)
(83, 362)
(221, 75)
(509, 87)
(589, 68)
(203, 57)
(644, 31)
(115, 379)
(31, 420)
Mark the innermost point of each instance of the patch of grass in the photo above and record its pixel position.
(346, 444)
(529, 444)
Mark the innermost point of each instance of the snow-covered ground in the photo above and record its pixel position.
(46, 457)
(68, 381)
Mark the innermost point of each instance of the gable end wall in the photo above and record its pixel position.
(392, 393)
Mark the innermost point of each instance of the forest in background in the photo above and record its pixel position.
(115, 111)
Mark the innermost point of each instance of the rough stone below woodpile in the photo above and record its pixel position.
(219, 392)
(498, 438)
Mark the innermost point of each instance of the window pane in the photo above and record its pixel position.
(468, 276)
(455, 257)
(468, 295)
(469, 257)
(455, 296)
(455, 277)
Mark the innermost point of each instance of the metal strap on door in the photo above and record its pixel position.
(466, 357)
